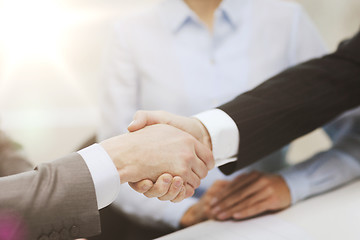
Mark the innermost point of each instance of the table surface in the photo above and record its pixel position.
(333, 215)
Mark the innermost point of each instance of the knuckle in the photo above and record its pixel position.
(187, 157)
(263, 181)
(270, 190)
(188, 139)
(183, 171)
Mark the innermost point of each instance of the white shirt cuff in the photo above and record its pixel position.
(103, 172)
(224, 135)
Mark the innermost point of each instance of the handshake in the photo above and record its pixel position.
(163, 156)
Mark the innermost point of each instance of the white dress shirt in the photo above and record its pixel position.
(164, 58)
(103, 172)
(332, 168)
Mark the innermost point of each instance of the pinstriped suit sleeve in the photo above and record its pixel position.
(295, 102)
(57, 198)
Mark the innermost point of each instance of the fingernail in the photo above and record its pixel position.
(216, 210)
(178, 184)
(213, 201)
(132, 123)
(167, 180)
(222, 216)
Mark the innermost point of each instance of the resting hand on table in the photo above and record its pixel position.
(199, 211)
(249, 195)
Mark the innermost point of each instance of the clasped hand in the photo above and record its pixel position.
(183, 160)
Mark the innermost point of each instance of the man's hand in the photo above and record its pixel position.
(166, 188)
(190, 125)
(158, 149)
(249, 195)
(200, 211)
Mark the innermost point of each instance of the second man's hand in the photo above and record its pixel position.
(190, 125)
(155, 150)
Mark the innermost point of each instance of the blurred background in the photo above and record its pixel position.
(50, 58)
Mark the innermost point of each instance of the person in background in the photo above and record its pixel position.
(276, 112)
(187, 56)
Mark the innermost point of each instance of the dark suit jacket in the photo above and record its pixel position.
(295, 102)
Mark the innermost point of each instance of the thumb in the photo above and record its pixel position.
(139, 122)
(146, 118)
(142, 186)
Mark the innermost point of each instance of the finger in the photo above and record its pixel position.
(181, 196)
(238, 196)
(139, 121)
(174, 190)
(161, 187)
(236, 185)
(199, 168)
(254, 210)
(189, 190)
(213, 191)
(192, 179)
(210, 194)
(142, 186)
(260, 196)
(205, 155)
(216, 188)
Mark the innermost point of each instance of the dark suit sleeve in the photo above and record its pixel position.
(57, 200)
(295, 102)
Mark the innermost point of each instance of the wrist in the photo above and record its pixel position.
(203, 136)
(116, 149)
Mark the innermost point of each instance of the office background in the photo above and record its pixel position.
(50, 59)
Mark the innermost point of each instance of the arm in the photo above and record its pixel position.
(322, 172)
(330, 169)
(281, 109)
(65, 194)
(56, 197)
(295, 102)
